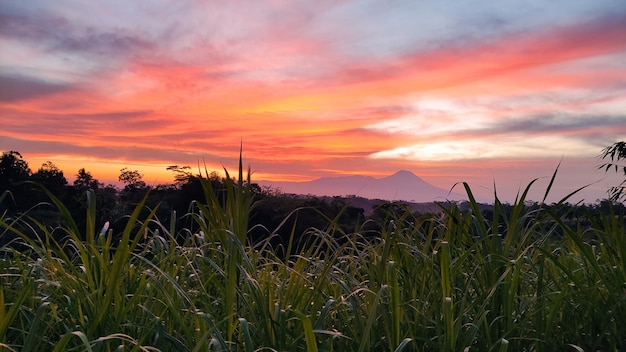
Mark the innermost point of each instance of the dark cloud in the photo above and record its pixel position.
(22, 27)
(112, 123)
(102, 43)
(57, 34)
(15, 88)
(111, 152)
(559, 123)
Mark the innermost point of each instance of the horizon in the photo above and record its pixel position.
(535, 194)
(479, 93)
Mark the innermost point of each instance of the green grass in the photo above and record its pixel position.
(524, 281)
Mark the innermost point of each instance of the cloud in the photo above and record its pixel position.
(16, 88)
(460, 62)
(512, 147)
(535, 136)
(58, 34)
(549, 123)
(384, 30)
(85, 129)
(102, 152)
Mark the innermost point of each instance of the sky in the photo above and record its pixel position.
(489, 93)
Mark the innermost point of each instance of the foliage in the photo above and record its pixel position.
(51, 178)
(617, 153)
(134, 186)
(13, 168)
(84, 181)
(14, 171)
(526, 278)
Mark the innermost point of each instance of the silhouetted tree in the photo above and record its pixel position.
(135, 188)
(106, 199)
(182, 174)
(51, 177)
(617, 153)
(84, 181)
(14, 171)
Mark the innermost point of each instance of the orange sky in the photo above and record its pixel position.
(483, 93)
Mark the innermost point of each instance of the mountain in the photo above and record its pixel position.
(403, 185)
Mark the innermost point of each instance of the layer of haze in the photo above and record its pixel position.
(483, 92)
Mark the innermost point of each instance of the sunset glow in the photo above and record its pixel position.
(491, 93)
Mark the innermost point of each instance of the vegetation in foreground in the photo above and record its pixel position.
(523, 279)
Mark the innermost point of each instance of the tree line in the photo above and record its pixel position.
(24, 191)
(274, 213)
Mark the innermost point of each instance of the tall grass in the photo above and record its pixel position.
(524, 280)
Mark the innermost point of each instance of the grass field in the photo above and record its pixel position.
(527, 280)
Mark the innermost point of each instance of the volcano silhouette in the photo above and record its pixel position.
(402, 185)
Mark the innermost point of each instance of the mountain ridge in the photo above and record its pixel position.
(402, 185)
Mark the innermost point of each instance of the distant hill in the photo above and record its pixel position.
(403, 185)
